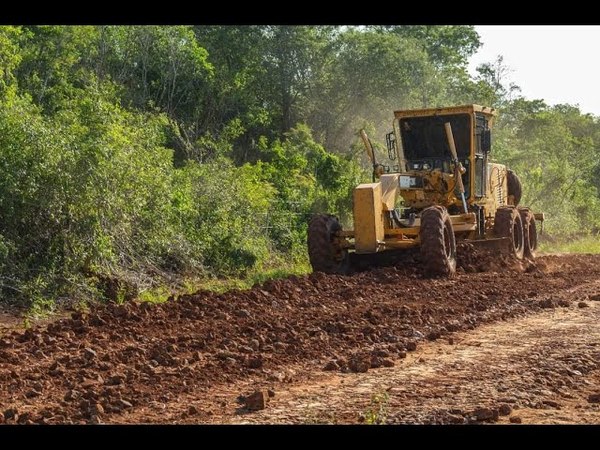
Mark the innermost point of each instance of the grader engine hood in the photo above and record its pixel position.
(419, 188)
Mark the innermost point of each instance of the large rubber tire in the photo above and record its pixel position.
(514, 186)
(529, 232)
(323, 253)
(508, 224)
(438, 243)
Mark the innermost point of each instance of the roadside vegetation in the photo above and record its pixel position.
(575, 244)
(140, 160)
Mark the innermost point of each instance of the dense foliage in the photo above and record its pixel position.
(133, 155)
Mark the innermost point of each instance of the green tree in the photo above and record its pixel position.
(10, 58)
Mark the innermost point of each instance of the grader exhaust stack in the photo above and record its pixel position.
(368, 146)
(377, 168)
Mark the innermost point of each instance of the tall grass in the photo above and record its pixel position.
(160, 294)
(581, 244)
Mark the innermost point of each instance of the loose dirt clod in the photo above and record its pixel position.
(594, 398)
(486, 414)
(504, 410)
(359, 364)
(331, 365)
(257, 400)
(455, 419)
(11, 413)
(125, 404)
(551, 404)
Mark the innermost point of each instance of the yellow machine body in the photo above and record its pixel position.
(414, 184)
(369, 229)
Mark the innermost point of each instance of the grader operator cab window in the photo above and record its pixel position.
(424, 138)
(426, 146)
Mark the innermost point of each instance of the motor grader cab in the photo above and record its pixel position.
(440, 187)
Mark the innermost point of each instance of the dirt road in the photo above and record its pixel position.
(538, 369)
(389, 345)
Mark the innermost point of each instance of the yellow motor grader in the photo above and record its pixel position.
(440, 188)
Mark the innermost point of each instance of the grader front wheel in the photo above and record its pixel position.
(438, 244)
(324, 253)
(529, 232)
(508, 224)
(514, 186)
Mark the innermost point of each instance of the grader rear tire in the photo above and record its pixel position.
(508, 224)
(324, 255)
(514, 186)
(529, 232)
(438, 243)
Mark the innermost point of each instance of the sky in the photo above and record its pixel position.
(558, 64)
